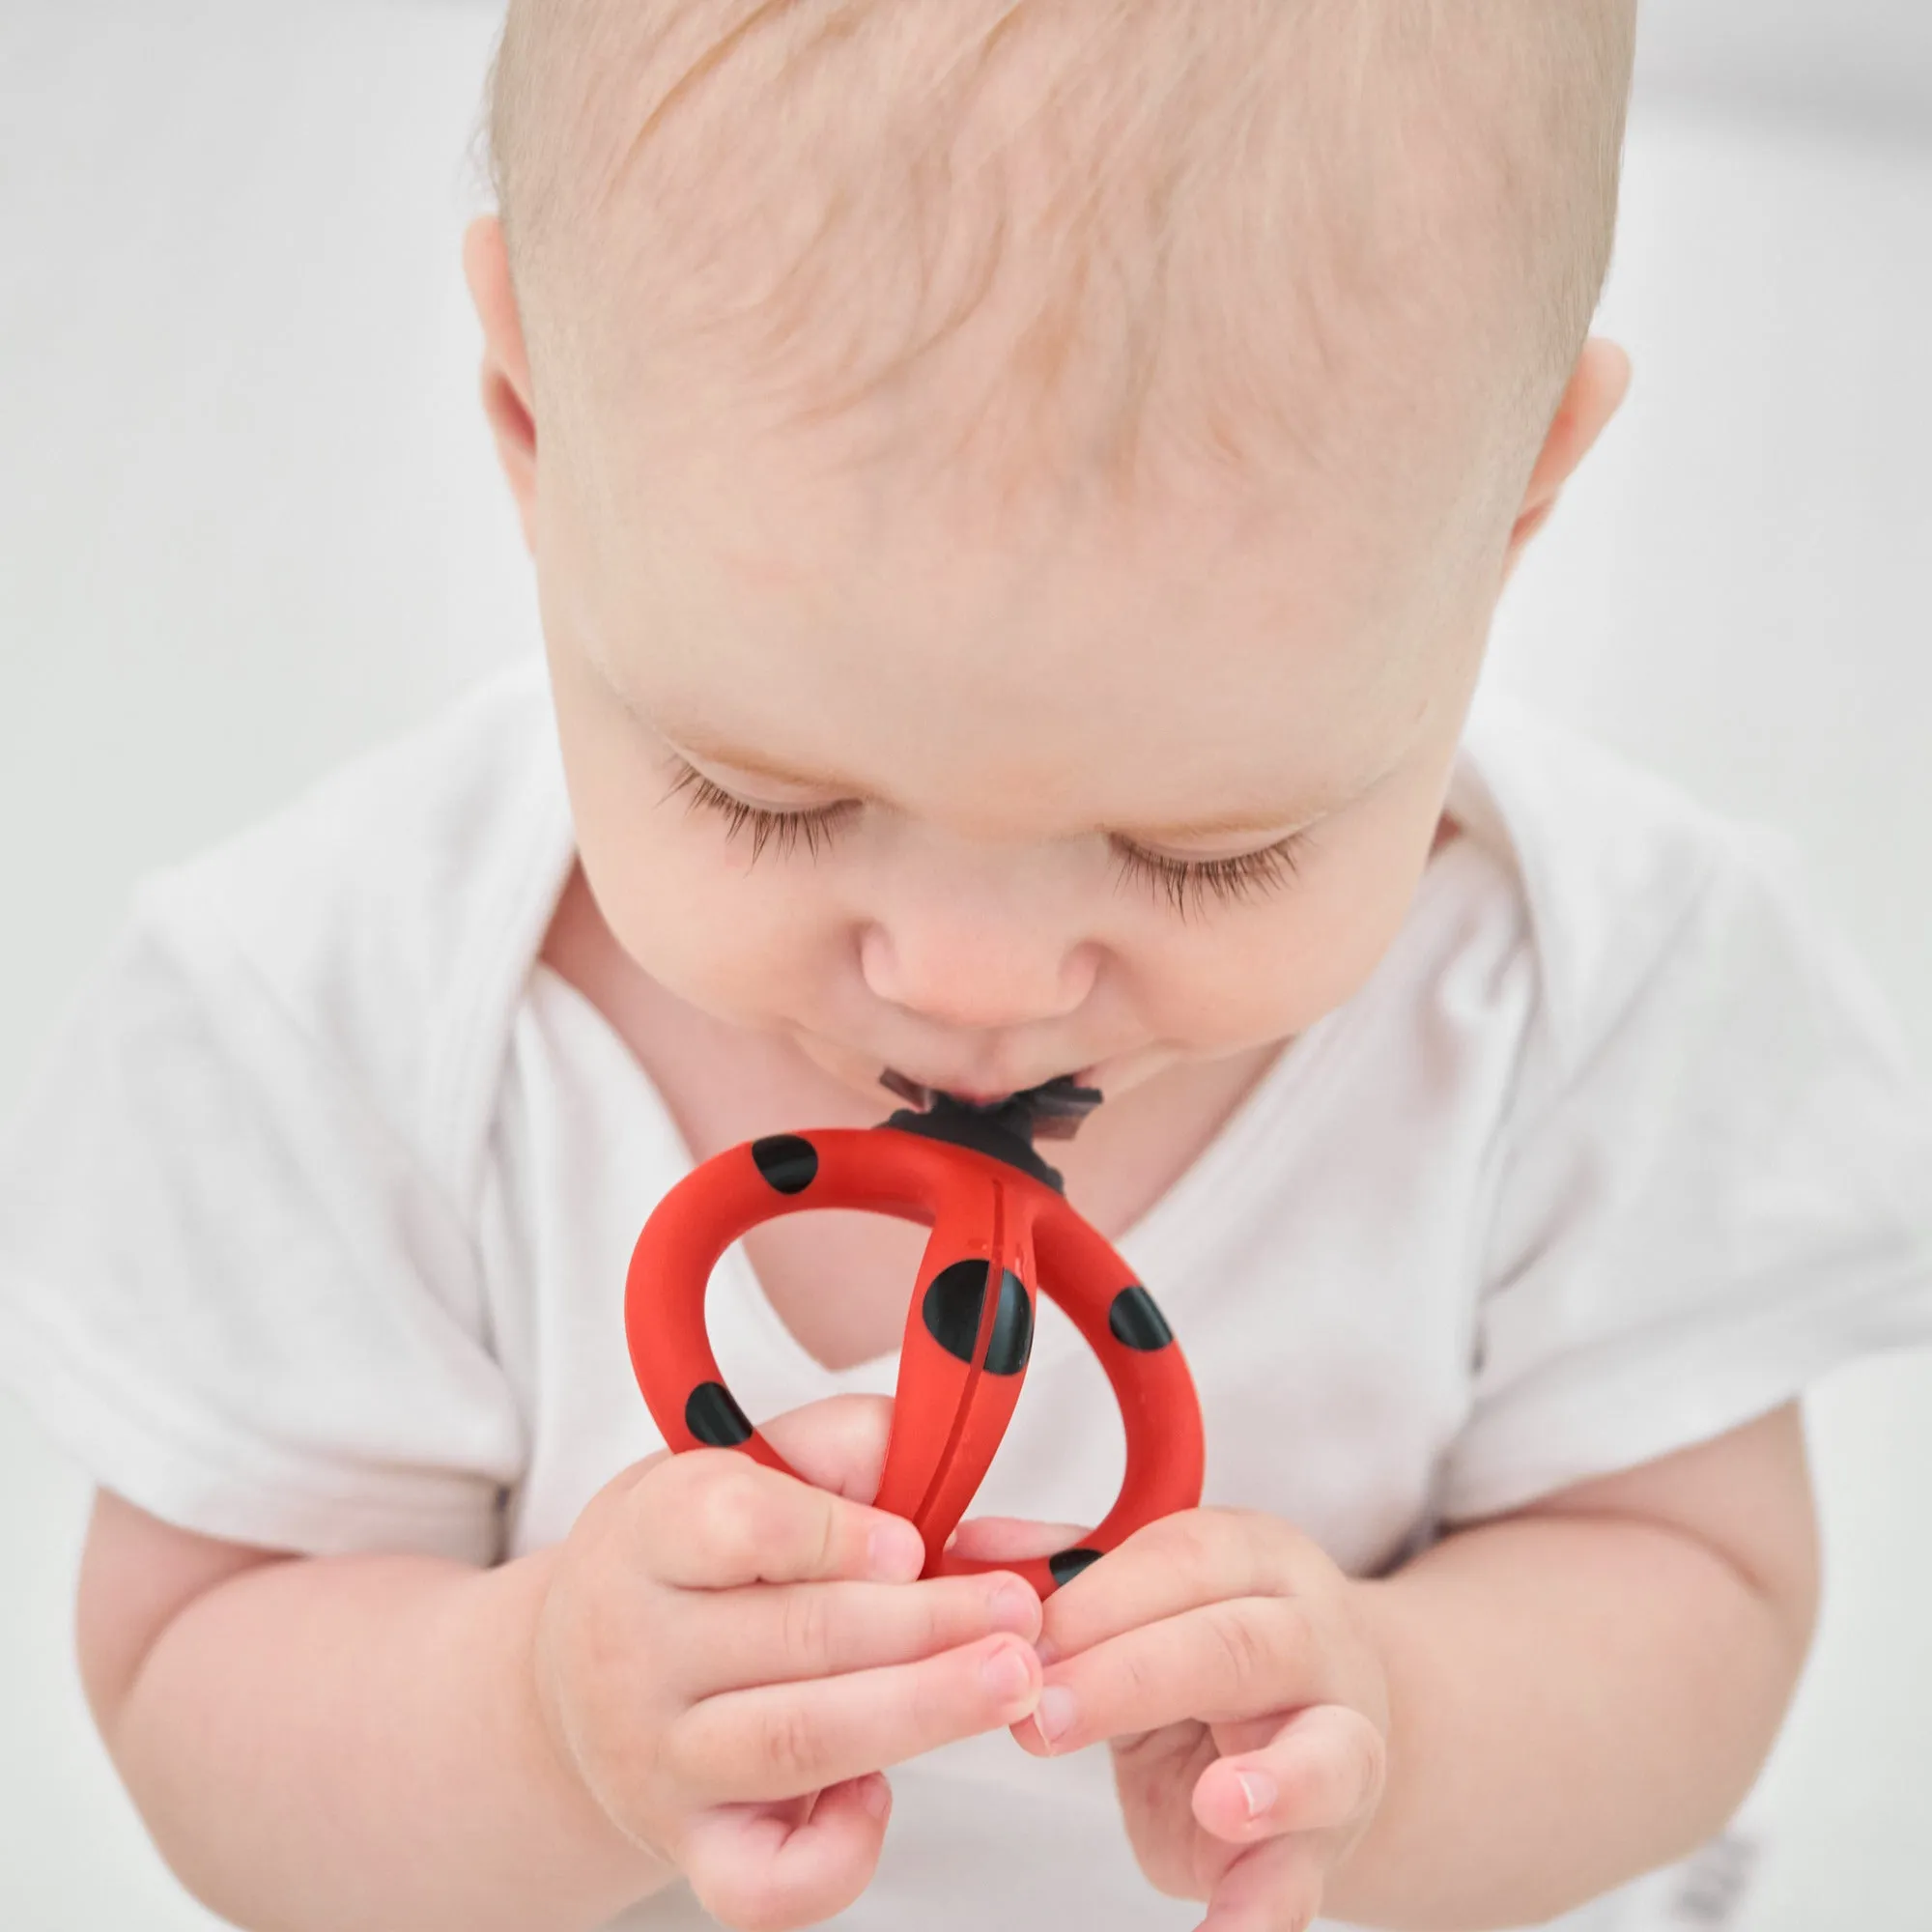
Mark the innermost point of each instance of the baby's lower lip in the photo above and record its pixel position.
(989, 1096)
(976, 1097)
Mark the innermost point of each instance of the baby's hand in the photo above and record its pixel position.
(728, 1657)
(1220, 1653)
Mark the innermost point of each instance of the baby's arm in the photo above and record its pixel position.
(1588, 1687)
(348, 1742)
(1538, 1707)
(703, 1679)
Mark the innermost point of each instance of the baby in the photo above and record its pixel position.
(1018, 493)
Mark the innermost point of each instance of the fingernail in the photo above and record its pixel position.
(1257, 1792)
(895, 1553)
(1005, 1673)
(876, 1795)
(1046, 1650)
(1013, 1606)
(1054, 1713)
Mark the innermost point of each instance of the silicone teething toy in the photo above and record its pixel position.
(1002, 1232)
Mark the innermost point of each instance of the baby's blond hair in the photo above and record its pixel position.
(1215, 217)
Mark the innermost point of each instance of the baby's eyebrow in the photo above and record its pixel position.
(715, 752)
(1287, 820)
(1233, 825)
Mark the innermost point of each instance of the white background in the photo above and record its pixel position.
(248, 525)
(1834, 59)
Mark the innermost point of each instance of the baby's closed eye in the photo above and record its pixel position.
(1183, 882)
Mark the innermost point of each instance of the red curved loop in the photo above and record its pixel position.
(1000, 1238)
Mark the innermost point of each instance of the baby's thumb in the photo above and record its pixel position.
(838, 1444)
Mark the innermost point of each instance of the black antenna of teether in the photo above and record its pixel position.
(896, 1082)
(1059, 1107)
(1006, 1130)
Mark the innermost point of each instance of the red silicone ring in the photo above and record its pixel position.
(999, 1238)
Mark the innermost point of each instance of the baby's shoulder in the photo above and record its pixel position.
(389, 914)
(1633, 895)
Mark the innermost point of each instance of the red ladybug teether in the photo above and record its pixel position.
(1002, 1232)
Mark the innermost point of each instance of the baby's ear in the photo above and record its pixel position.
(507, 367)
(1598, 386)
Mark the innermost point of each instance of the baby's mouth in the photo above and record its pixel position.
(922, 1094)
(1053, 1109)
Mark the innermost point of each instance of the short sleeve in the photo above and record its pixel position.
(228, 1288)
(1713, 1194)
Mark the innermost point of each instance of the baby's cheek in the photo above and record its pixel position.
(752, 950)
(1356, 892)
(1269, 970)
(1264, 982)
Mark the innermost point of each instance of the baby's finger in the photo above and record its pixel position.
(714, 1519)
(838, 1443)
(793, 1864)
(1272, 1887)
(1322, 1771)
(1219, 1663)
(775, 1741)
(1170, 1566)
(795, 1631)
(1011, 1539)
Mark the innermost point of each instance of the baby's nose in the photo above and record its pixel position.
(974, 974)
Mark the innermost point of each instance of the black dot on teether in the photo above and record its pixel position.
(1135, 1320)
(1013, 1327)
(1069, 1563)
(950, 1310)
(789, 1163)
(715, 1418)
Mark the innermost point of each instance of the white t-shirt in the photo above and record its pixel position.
(313, 1229)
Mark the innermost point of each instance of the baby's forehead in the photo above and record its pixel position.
(1100, 233)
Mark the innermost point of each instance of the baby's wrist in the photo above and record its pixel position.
(550, 1754)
